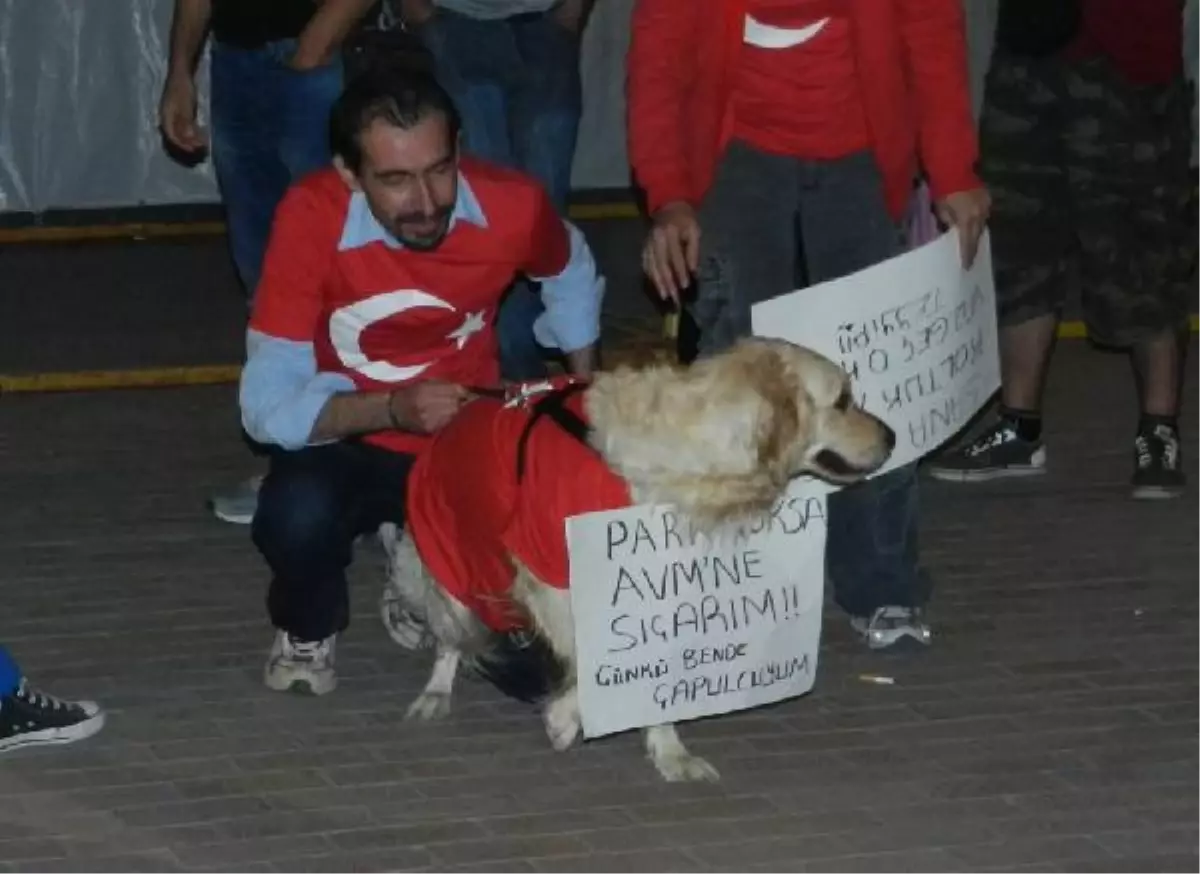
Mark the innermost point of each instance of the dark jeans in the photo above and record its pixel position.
(763, 216)
(313, 505)
(270, 125)
(516, 84)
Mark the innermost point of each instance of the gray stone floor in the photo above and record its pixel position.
(1052, 727)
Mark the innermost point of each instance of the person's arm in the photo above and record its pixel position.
(560, 260)
(936, 54)
(326, 31)
(661, 67)
(189, 27)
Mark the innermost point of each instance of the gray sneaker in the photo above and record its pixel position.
(997, 453)
(237, 505)
(892, 625)
(302, 666)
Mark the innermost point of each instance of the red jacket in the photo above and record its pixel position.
(912, 60)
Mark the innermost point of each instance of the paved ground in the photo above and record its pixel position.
(1053, 726)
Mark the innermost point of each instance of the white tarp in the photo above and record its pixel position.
(80, 81)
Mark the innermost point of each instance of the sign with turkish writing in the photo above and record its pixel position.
(917, 334)
(673, 624)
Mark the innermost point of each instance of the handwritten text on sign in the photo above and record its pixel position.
(672, 624)
(917, 334)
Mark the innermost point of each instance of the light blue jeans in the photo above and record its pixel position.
(516, 84)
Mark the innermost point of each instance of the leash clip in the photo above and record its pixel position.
(520, 396)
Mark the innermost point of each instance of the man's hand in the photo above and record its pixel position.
(427, 407)
(177, 114)
(671, 254)
(968, 211)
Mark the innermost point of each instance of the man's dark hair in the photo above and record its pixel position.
(397, 95)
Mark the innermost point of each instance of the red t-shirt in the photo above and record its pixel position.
(467, 512)
(796, 88)
(386, 316)
(1144, 38)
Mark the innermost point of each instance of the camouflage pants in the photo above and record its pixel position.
(1088, 172)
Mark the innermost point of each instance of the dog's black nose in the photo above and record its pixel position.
(889, 437)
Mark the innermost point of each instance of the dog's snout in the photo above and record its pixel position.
(889, 437)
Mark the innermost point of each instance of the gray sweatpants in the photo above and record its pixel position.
(769, 225)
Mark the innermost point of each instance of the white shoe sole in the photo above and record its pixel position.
(300, 682)
(1035, 467)
(55, 736)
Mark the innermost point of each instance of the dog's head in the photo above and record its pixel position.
(723, 438)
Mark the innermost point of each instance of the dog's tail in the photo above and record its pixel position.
(521, 665)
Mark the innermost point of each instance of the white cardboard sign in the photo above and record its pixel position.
(671, 624)
(917, 334)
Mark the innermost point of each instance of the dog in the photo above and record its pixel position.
(483, 561)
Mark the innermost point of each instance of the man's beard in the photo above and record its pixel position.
(425, 242)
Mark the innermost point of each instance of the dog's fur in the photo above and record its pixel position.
(720, 441)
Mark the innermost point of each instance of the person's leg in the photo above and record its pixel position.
(1128, 148)
(247, 120)
(478, 64)
(29, 717)
(544, 106)
(307, 100)
(313, 505)
(871, 550)
(246, 124)
(747, 243)
(1033, 242)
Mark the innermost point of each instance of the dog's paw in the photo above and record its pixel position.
(562, 722)
(679, 767)
(429, 706)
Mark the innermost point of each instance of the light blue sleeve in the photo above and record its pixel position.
(281, 393)
(572, 298)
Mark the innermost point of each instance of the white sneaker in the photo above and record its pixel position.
(892, 625)
(301, 666)
(237, 505)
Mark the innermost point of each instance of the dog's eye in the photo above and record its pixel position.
(843, 402)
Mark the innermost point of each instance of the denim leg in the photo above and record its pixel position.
(10, 673)
(246, 127)
(479, 63)
(871, 554)
(312, 506)
(307, 100)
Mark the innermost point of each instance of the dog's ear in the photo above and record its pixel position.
(786, 412)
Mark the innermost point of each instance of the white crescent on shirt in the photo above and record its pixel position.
(766, 36)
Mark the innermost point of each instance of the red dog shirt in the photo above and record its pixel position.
(468, 510)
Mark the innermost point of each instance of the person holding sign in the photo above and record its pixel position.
(373, 327)
(768, 133)
(1086, 141)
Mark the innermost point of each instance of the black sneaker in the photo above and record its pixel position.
(996, 453)
(1156, 472)
(29, 717)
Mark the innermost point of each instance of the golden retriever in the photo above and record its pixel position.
(720, 440)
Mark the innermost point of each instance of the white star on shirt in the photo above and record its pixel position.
(471, 325)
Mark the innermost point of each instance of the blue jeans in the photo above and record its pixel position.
(516, 84)
(764, 217)
(270, 125)
(10, 673)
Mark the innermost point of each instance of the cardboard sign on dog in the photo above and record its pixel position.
(672, 624)
(917, 334)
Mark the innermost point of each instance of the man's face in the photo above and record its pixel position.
(409, 178)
